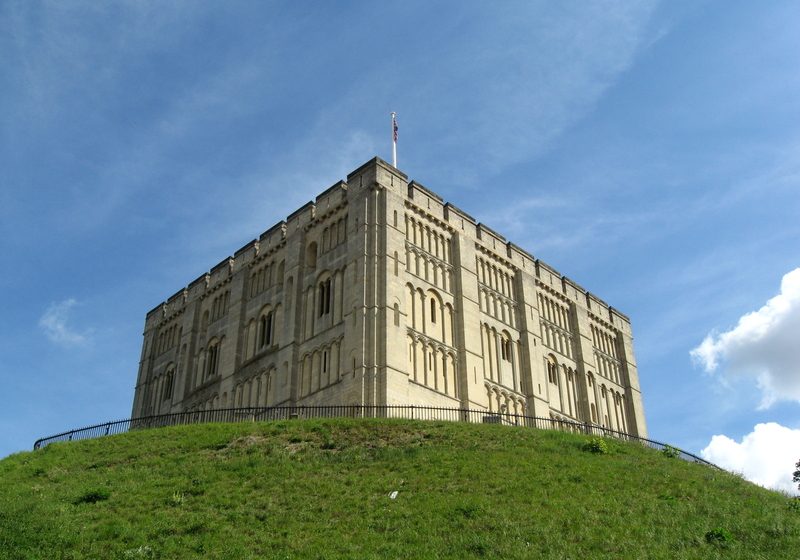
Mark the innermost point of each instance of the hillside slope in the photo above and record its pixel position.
(321, 489)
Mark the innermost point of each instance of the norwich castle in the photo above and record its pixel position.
(381, 293)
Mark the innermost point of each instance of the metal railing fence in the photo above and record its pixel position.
(409, 412)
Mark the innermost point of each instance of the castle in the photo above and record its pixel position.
(380, 293)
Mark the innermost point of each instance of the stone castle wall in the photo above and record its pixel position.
(380, 292)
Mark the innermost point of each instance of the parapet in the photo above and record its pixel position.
(492, 241)
(301, 217)
(272, 237)
(376, 171)
(489, 237)
(456, 217)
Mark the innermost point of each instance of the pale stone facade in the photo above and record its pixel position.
(379, 292)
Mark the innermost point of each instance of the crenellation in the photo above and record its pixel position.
(301, 217)
(179, 295)
(271, 237)
(374, 169)
(596, 305)
(331, 198)
(572, 290)
(521, 258)
(547, 274)
(378, 292)
(489, 237)
(619, 320)
(220, 273)
(156, 313)
(457, 217)
(246, 254)
(420, 192)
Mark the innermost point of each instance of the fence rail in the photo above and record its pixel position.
(409, 412)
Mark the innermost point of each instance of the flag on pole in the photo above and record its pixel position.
(394, 139)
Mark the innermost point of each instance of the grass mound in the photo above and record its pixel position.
(379, 489)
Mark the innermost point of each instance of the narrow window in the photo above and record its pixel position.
(324, 291)
(551, 373)
(213, 357)
(327, 296)
(311, 256)
(433, 310)
(325, 361)
(268, 327)
(505, 349)
(168, 386)
(262, 331)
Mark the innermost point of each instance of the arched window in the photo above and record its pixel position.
(505, 348)
(265, 328)
(168, 382)
(552, 372)
(204, 323)
(311, 255)
(279, 276)
(324, 299)
(212, 360)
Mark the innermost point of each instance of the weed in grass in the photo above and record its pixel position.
(597, 445)
(670, 452)
(92, 496)
(177, 499)
(719, 536)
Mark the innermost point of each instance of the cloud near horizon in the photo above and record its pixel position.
(766, 456)
(763, 345)
(54, 324)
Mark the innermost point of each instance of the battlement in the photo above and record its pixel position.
(378, 171)
(497, 244)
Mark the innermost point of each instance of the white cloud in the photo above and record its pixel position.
(763, 345)
(54, 324)
(765, 456)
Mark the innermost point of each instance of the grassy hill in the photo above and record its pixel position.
(321, 489)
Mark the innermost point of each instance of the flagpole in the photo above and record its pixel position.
(394, 139)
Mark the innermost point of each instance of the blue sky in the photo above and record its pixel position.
(650, 152)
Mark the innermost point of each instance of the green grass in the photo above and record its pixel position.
(320, 489)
